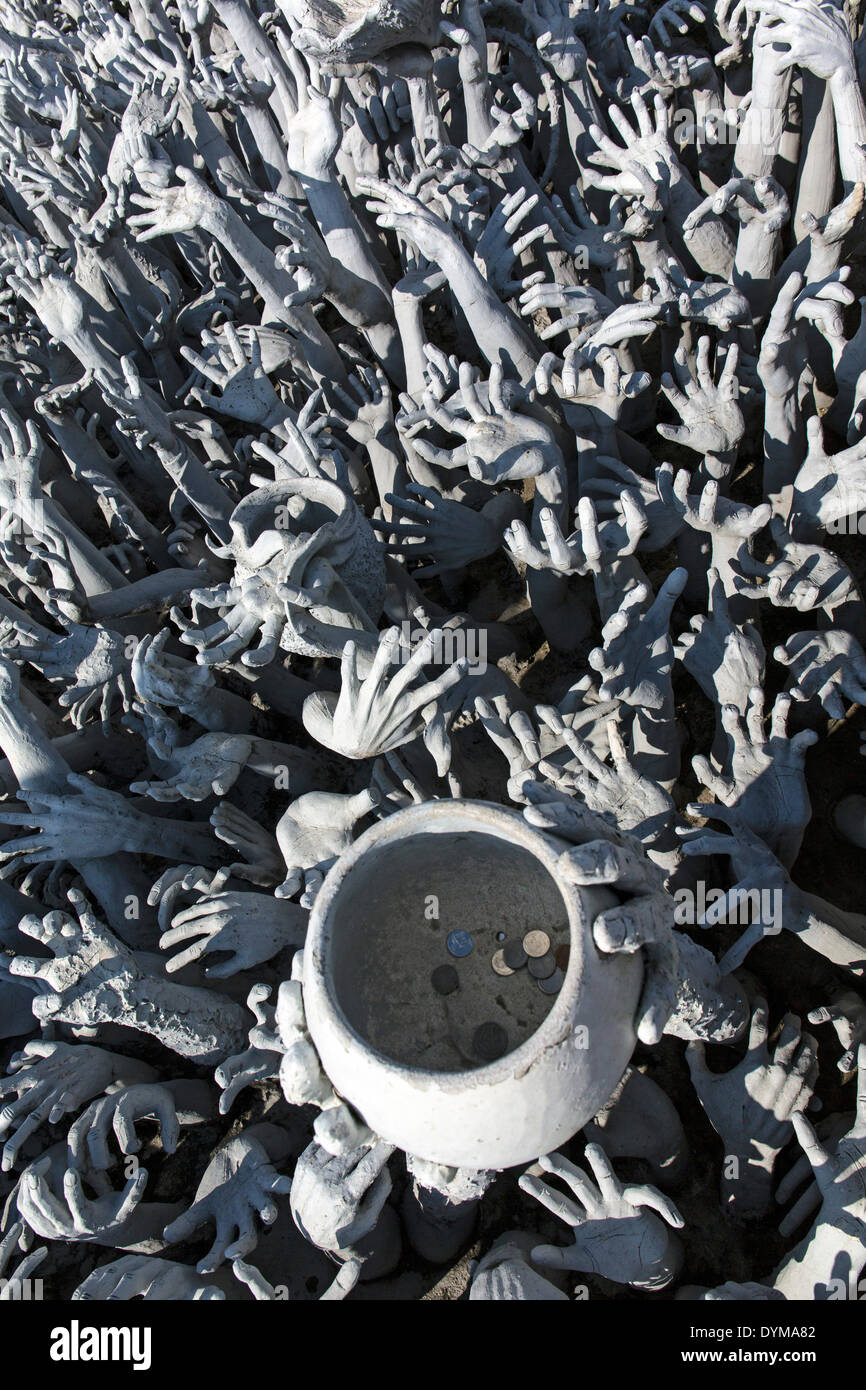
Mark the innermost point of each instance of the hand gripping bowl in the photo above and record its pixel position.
(419, 1022)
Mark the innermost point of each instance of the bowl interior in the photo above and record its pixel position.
(414, 931)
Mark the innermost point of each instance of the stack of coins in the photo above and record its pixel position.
(547, 967)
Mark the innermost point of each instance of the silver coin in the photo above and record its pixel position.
(498, 963)
(542, 967)
(536, 943)
(460, 943)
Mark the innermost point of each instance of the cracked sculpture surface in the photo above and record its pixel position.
(432, 649)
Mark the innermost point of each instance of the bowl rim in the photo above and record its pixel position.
(453, 816)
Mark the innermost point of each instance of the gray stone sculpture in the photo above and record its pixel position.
(432, 480)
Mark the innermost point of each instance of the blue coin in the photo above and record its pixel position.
(460, 943)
